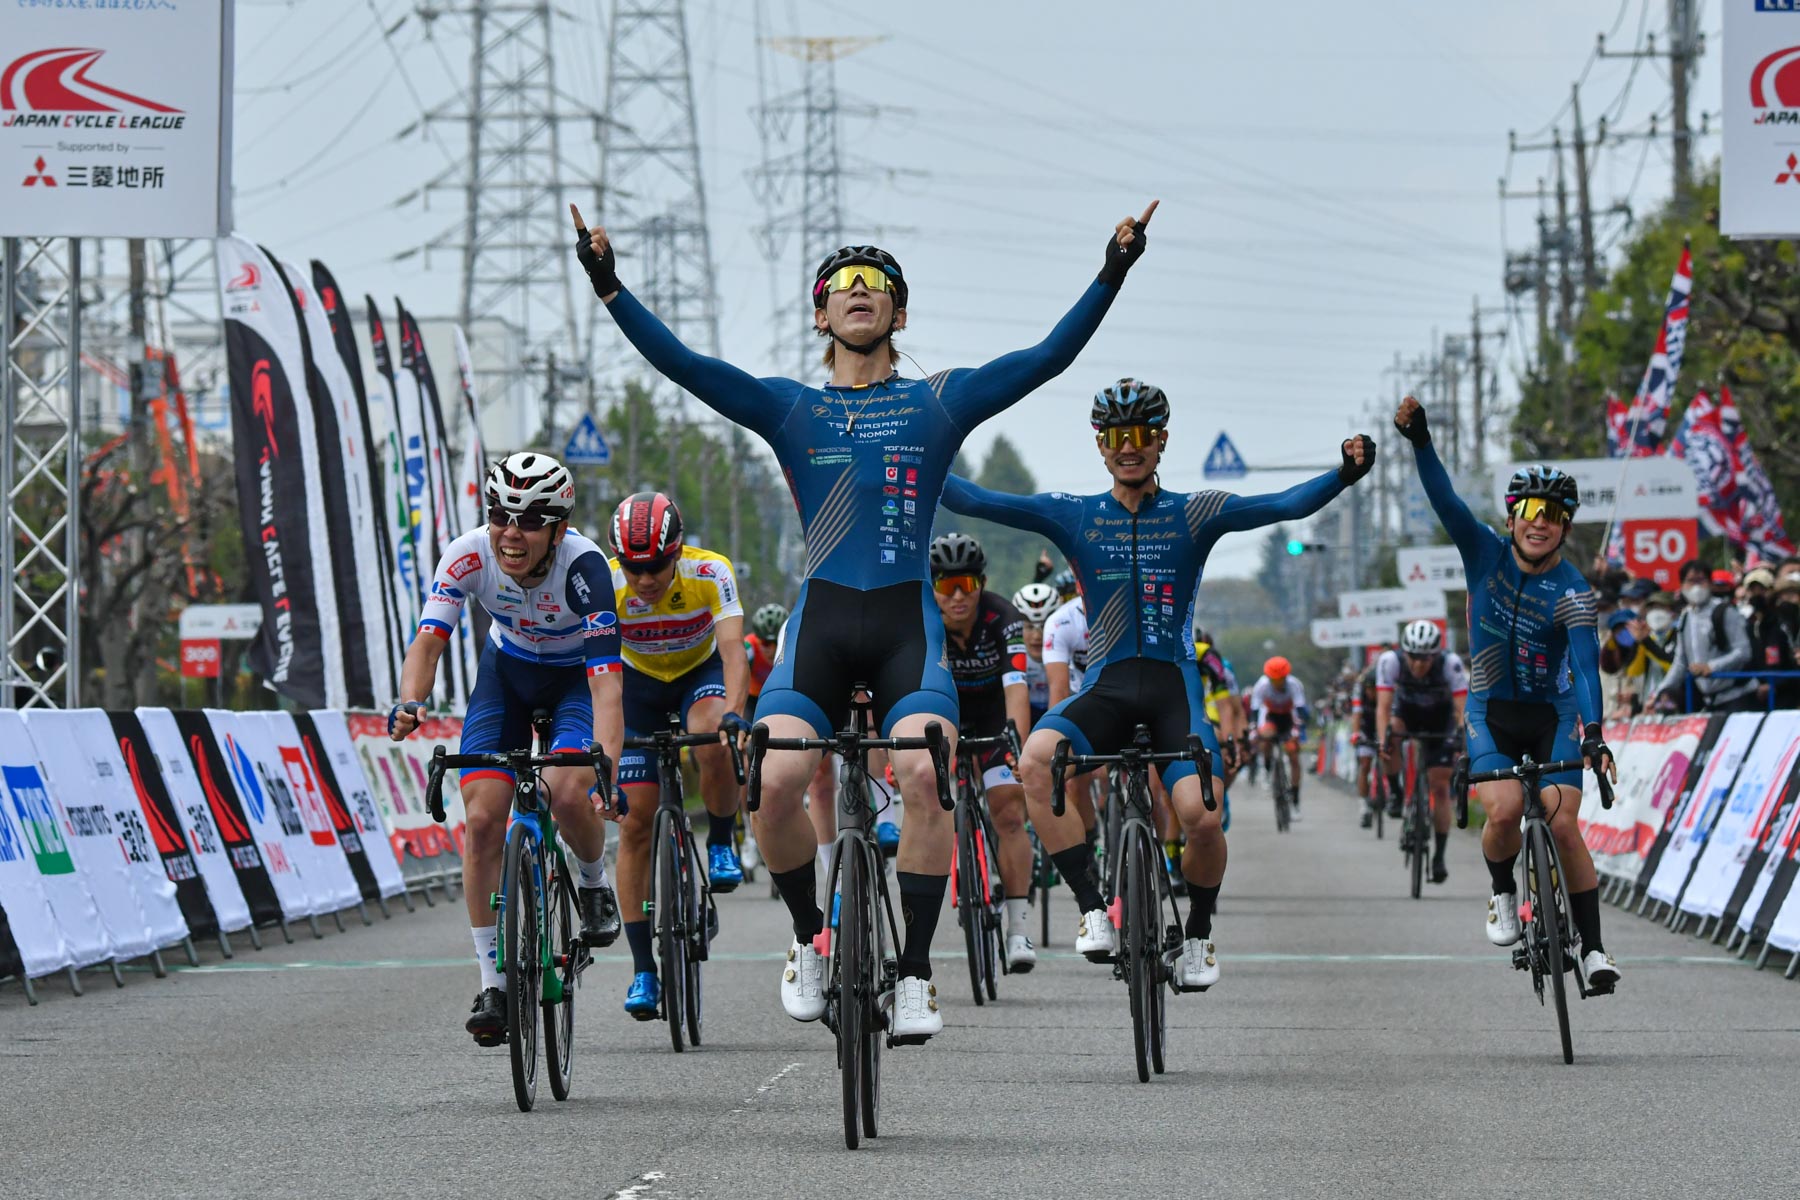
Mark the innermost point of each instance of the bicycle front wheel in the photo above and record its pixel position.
(565, 963)
(970, 902)
(699, 931)
(993, 932)
(1547, 912)
(523, 959)
(1142, 944)
(671, 937)
(1417, 837)
(1278, 783)
(850, 975)
(869, 1069)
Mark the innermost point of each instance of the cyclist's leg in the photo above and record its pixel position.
(1006, 805)
(497, 719)
(578, 823)
(1203, 861)
(1391, 762)
(1499, 732)
(646, 709)
(703, 703)
(1562, 801)
(1093, 720)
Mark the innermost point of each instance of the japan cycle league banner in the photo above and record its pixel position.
(115, 119)
(1760, 173)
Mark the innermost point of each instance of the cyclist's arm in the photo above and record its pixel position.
(1047, 513)
(733, 393)
(420, 669)
(1576, 615)
(1239, 513)
(1056, 674)
(1474, 540)
(1017, 691)
(590, 594)
(737, 663)
(1384, 715)
(971, 396)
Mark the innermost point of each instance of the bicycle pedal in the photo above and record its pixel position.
(1521, 960)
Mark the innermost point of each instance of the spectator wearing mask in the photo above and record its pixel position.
(1711, 637)
(1770, 646)
(1787, 606)
(1641, 657)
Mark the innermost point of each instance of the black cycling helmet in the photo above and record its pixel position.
(1540, 480)
(957, 554)
(853, 256)
(1065, 584)
(1129, 402)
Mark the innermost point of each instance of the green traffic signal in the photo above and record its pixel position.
(1296, 546)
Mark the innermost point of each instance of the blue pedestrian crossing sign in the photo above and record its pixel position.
(587, 448)
(1224, 462)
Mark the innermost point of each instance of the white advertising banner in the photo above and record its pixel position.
(197, 825)
(1750, 806)
(1784, 932)
(221, 620)
(1782, 846)
(97, 848)
(115, 119)
(1353, 631)
(1760, 72)
(1688, 837)
(1399, 604)
(1653, 757)
(334, 738)
(396, 771)
(274, 821)
(29, 917)
(325, 869)
(1655, 486)
(27, 797)
(1429, 567)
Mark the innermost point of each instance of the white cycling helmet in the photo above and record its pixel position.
(1036, 601)
(1421, 637)
(528, 481)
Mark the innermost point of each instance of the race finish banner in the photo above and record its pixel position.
(1760, 172)
(115, 120)
(279, 494)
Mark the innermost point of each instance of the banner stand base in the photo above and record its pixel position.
(24, 982)
(1793, 966)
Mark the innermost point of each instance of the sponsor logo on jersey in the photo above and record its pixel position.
(443, 592)
(706, 570)
(887, 556)
(465, 566)
(580, 584)
(602, 623)
(546, 604)
(892, 474)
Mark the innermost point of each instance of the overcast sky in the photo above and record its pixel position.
(1328, 177)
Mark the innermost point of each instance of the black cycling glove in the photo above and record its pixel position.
(1349, 471)
(1592, 746)
(602, 269)
(1119, 258)
(1415, 432)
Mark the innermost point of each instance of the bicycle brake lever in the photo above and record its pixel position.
(1203, 760)
(434, 785)
(934, 741)
(759, 746)
(1059, 765)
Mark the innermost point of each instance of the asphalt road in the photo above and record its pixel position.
(1360, 1044)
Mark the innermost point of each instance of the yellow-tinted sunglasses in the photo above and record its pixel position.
(1533, 507)
(1117, 437)
(844, 278)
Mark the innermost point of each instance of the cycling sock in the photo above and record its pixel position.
(487, 953)
(1440, 840)
(721, 831)
(1076, 866)
(797, 888)
(1584, 907)
(637, 934)
(1200, 911)
(822, 861)
(593, 874)
(921, 897)
(1502, 872)
(1018, 914)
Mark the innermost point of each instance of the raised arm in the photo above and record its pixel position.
(1052, 514)
(1211, 514)
(1474, 539)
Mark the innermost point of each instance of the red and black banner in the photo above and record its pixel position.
(228, 816)
(320, 764)
(165, 824)
(266, 356)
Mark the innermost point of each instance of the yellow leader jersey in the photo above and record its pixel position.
(668, 639)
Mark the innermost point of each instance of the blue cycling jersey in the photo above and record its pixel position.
(1139, 571)
(1531, 637)
(865, 464)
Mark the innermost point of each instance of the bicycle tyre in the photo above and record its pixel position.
(1380, 800)
(1279, 785)
(1416, 835)
(992, 914)
(848, 953)
(968, 902)
(1546, 909)
(523, 960)
(1139, 947)
(671, 937)
(874, 1032)
(696, 925)
(1159, 996)
(559, 1016)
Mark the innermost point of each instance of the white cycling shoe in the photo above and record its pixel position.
(1503, 918)
(1095, 936)
(1021, 955)
(803, 982)
(1601, 971)
(914, 1017)
(1198, 967)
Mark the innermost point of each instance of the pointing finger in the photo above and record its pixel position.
(580, 225)
(1145, 219)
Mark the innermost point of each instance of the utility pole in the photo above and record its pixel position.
(1590, 274)
(1686, 46)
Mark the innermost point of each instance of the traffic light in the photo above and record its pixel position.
(1296, 547)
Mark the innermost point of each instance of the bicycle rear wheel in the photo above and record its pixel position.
(565, 958)
(971, 900)
(694, 921)
(1416, 837)
(523, 959)
(1278, 783)
(1380, 801)
(1547, 911)
(848, 971)
(1141, 945)
(671, 937)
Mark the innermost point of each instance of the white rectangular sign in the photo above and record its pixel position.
(221, 620)
(1391, 604)
(1357, 631)
(1640, 487)
(1430, 567)
(115, 119)
(1760, 74)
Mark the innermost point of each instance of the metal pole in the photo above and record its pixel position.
(8, 405)
(72, 467)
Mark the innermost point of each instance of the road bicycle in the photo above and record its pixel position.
(1415, 818)
(1144, 912)
(1044, 878)
(861, 969)
(540, 954)
(1548, 947)
(681, 904)
(979, 902)
(1281, 784)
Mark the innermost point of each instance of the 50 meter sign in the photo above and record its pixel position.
(1655, 549)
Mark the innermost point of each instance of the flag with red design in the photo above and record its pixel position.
(1759, 512)
(1703, 442)
(1637, 430)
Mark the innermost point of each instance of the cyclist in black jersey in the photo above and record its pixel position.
(1362, 710)
(1422, 688)
(984, 637)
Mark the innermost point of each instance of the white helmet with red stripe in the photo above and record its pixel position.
(531, 482)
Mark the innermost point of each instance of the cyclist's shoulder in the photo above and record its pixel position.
(576, 546)
(467, 556)
(696, 563)
(998, 610)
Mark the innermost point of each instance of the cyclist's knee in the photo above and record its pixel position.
(1007, 807)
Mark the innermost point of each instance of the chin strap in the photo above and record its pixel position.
(865, 347)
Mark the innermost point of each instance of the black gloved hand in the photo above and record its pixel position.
(1349, 471)
(602, 269)
(1593, 747)
(1415, 432)
(1119, 258)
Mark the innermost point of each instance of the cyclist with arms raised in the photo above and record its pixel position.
(865, 457)
(1278, 702)
(1534, 677)
(1425, 693)
(682, 627)
(1138, 550)
(554, 645)
(986, 643)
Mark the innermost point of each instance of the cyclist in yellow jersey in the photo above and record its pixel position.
(681, 627)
